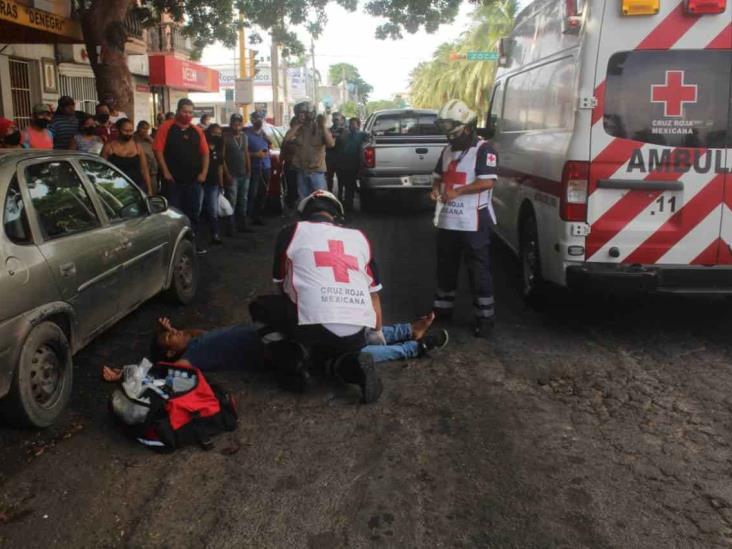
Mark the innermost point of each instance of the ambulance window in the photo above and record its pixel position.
(677, 98)
(494, 114)
(541, 98)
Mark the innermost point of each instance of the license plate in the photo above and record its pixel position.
(421, 179)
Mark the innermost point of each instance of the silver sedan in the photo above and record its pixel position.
(81, 247)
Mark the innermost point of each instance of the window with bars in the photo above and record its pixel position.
(20, 90)
(83, 89)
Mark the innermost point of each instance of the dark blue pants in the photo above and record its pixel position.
(258, 184)
(210, 204)
(474, 247)
(186, 196)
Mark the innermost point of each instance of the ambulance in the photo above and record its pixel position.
(612, 121)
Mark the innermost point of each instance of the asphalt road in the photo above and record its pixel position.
(598, 421)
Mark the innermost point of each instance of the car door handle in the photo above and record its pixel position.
(422, 150)
(67, 270)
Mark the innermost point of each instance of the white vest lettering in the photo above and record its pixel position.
(327, 276)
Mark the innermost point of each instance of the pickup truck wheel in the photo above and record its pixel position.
(41, 386)
(533, 283)
(184, 283)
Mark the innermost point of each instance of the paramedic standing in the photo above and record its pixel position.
(462, 187)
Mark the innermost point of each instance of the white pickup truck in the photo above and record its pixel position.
(401, 153)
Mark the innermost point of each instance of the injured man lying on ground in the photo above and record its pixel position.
(239, 346)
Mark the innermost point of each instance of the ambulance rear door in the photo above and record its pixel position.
(659, 144)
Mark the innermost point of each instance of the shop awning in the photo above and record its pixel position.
(167, 70)
(21, 24)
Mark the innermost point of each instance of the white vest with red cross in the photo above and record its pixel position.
(458, 170)
(328, 275)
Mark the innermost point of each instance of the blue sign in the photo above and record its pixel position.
(482, 56)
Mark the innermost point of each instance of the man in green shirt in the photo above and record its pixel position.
(349, 146)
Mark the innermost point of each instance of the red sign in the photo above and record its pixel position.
(142, 88)
(167, 70)
(337, 259)
(673, 94)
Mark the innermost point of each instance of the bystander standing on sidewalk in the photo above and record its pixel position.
(128, 156)
(86, 139)
(143, 139)
(261, 164)
(182, 154)
(287, 156)
(331, 153)
(37, 135)
(65, 123)
(111, 101)
(9, 134)
(349, 161)
(309, 137)
(237, 168)
(105, 129)
(214, 183)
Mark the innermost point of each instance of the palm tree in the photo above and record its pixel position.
(433, 82)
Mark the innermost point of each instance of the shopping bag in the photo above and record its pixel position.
(225, 208)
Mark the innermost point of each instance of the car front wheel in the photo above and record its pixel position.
(41, 386)
(184, 283)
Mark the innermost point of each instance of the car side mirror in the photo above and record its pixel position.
(157, 204)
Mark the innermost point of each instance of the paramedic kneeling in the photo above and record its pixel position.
(462, 187)
(330, 298)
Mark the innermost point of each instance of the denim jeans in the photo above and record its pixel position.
(309, 182)
(399, 344)
(210, 204)
(258, 191)
(238, 194)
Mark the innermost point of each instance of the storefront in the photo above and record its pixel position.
(173, 78)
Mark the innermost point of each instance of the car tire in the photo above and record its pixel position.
(41, 386)
(532, 282)
(184, 276)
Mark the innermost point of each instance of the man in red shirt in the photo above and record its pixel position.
(182, 154)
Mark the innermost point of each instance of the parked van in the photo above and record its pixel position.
(612, 120)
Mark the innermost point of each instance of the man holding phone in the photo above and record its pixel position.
(261, 162)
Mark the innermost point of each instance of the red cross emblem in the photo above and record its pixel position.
(337, 259)
(674, 93)
(452, 177)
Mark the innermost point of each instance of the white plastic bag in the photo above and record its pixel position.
(225, 209)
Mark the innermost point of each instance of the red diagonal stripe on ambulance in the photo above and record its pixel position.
(626, 209)
(679, 224)
(709, 255)
(723, 40)
(668, 31)
(611, 159)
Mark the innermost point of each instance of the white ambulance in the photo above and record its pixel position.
(613, 124)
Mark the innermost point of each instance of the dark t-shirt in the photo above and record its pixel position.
(231, 348)
(182, 148)
(236, 147)
(214, 163)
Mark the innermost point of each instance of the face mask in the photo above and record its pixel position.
(12, 139)
(257, 125)
(41, 122)
(183, 118)
(125, 137)
(461, 142)
(88, 130)
(215, 139)
(103, 118)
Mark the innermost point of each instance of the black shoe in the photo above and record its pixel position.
(216, 240)
(433, 340)
(359, 369)
(484, 327)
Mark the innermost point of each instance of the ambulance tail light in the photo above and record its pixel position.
(703, 7)
(573, 202)
(369, 157)
(640, 7)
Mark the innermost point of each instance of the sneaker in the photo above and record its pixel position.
(201, 251)
(484, 327)
(359, 369)
(216, 240)
(435, 340)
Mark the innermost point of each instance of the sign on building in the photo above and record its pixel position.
(244, 91)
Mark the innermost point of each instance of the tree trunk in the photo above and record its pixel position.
(105, 38)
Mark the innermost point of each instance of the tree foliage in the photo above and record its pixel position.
(433, 82)
(382, 104)
(345, 71)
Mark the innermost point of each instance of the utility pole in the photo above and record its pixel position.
(242, 55)
(315, 72)
(286, 93)
(275, 69)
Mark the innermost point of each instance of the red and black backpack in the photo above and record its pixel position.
(175, 407)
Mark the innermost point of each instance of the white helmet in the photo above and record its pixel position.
(454, 116)
(321, 201)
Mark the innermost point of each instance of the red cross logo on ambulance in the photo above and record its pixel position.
(674, 94)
